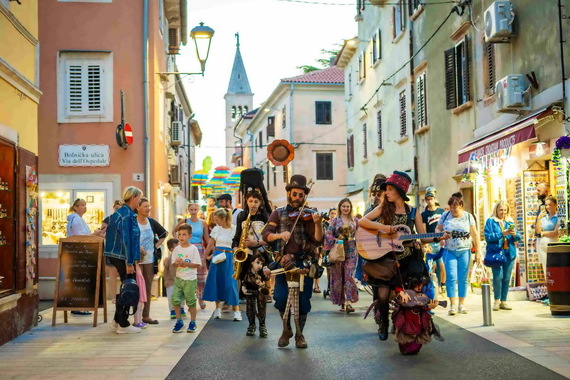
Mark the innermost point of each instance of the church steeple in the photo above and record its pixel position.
(239, 101)
(238, 80)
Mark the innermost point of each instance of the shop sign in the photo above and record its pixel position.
(84, 155)
(497, 143)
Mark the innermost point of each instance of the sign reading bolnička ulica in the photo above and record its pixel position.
(84, 155)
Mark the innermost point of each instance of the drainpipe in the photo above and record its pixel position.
(560, 17)
(291, 120)
(412, 101)
(146, 139)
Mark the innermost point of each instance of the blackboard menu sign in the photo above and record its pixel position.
(80, 283)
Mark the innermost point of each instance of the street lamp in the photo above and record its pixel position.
(202, 36)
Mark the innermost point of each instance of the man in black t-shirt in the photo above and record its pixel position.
(431, 217)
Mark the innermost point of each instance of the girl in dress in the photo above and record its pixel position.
(220, 284)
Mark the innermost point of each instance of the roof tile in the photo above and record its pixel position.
(330, 75)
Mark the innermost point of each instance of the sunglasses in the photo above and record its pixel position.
(294, 194)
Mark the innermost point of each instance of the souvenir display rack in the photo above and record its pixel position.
(531, 178)
(514, 193)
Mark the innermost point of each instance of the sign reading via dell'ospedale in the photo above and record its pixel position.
(84, 155)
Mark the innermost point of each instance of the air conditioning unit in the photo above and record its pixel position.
(174, 177)
(499, 22)
(513, 93)
(176, 133)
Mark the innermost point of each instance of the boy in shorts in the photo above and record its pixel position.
(186, 260)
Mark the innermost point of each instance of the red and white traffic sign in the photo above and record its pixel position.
(128, 134)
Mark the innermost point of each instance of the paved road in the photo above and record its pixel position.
(346, 347)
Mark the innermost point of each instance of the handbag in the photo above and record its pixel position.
(219, 258)
(383, 270)
(494, 260)
(336, 254)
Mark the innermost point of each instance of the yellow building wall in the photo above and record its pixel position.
(27, 14)
(21, 114)
(16, 49)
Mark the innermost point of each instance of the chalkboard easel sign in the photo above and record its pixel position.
(80, 281)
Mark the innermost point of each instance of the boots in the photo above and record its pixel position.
(251, 330)
(383, 329)
(286, 334)
(300, 341)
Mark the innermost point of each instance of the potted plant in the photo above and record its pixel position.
(563, 145)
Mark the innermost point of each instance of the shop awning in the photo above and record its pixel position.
(514, 133)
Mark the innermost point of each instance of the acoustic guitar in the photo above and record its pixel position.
(373, 244)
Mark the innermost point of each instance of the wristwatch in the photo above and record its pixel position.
(436, 239)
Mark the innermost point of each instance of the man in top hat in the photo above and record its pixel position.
(296, 245)
(225, 201)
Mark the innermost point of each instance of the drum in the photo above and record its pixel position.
(558, 277)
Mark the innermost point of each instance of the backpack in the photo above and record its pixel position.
(129, 295)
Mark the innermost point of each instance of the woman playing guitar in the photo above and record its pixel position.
(391, 212)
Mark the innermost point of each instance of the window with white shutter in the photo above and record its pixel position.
(403, 124)
(85, 87)
(421, 101)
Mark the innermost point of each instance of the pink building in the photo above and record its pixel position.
(92, 50)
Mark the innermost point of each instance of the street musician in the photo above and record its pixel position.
(298, 232)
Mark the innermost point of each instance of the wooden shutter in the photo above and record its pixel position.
(421, 102)
(25, 158)
(403, 122)
(466, 77)
(365, 141)
(450, 94)
(379, 44)
(350, 151)
(271, 126)
(379, 125)
(490, 69)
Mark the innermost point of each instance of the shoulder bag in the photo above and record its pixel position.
(336, 254)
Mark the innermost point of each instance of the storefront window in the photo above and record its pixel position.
(55, 209)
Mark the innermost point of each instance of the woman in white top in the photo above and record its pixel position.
(220, 284)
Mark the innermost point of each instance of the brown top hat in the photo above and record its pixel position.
(298, 181)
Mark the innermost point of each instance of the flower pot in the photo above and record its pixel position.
(564, 152)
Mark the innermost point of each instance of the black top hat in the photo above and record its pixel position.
(251, 182)
(401, 181)
(298, 181)
(378, 181)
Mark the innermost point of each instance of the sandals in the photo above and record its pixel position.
(349, 309)
(316, 290)
(342, 309)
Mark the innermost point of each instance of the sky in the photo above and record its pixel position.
(275, 37)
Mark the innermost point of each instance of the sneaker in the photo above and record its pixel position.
(172, 314)
(496, 305)
(452, 311)
(237, 316)
(128, 330)
(462, 309)
(192, 327)
(178, 326)
(263, 331)
(182, 313)
(505, 306)
(141, 325)
(217, 313)
(250, 330)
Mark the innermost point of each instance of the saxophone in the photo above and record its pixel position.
(241, 251)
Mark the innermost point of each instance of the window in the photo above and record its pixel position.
(234, 112)
(285, 174)
(415, 5)
(349, 84)
(260, 139)
(376, 47)
(323, 112)
(398, 19)
(239, 112)
(267, 176)
(85, 87)
(489, 76)
(324, 166)
(245, 110)
(283, 118)
(360, 6)
(403, 126)
(364, 142)
(161, 19)
(361, 66)
(350, 151)
(270, 126)
(421, 101)
(457, 76)
(274, 176)
(379, 129)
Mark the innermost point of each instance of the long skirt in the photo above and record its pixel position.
(220, 285)
(342, 284)
(203, 271)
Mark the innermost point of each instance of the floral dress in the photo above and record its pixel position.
(342, 286)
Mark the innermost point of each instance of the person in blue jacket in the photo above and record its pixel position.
(122, 247)
(501, 236)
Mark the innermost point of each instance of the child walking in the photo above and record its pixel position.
(142, 298)
(169, 274)
(254, 287)
(186, 260)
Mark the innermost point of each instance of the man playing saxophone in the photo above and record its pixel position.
(248, 241)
